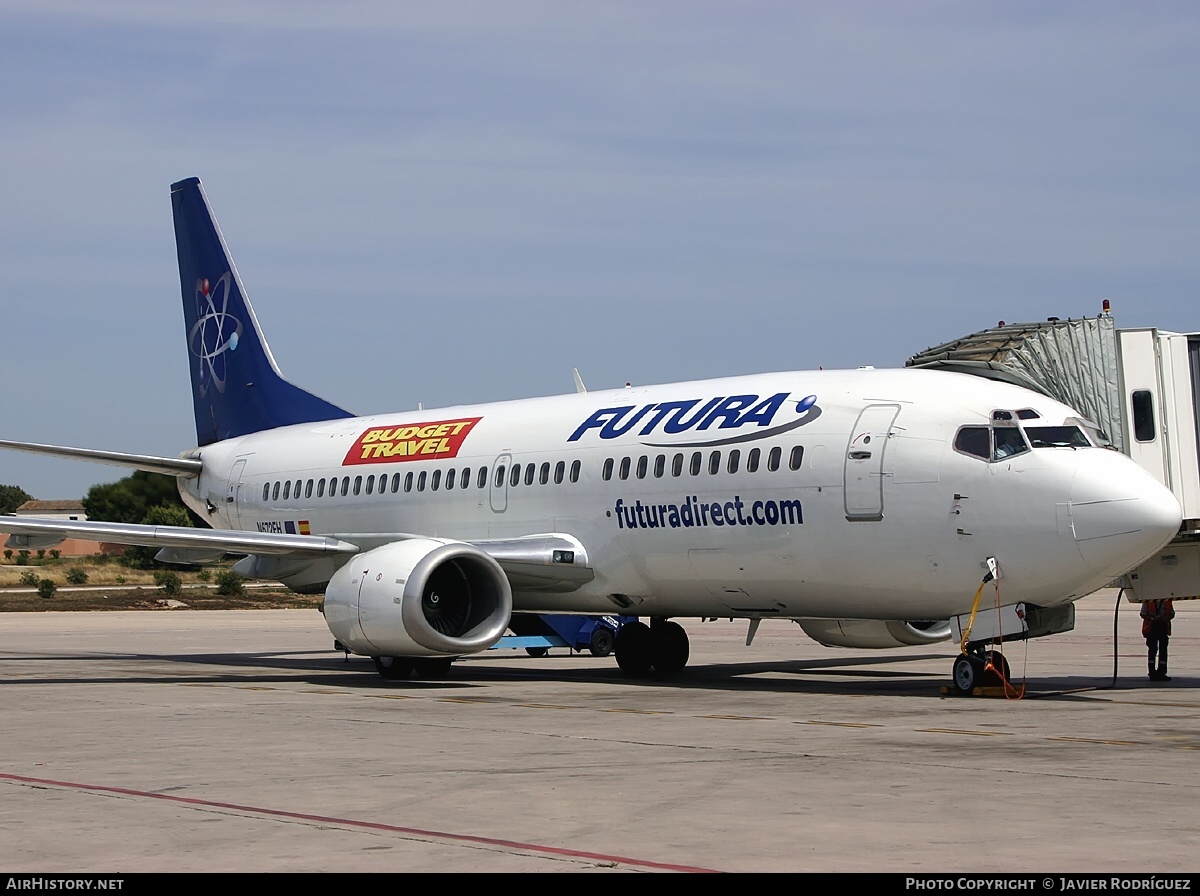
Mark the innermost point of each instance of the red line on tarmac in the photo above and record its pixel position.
(370, 825)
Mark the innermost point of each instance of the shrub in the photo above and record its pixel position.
(7, 554)
(46, 588)
(168, 582)
(29, 577)
(55, 553)
(22, 558)
(76, 575)
(229, 583)
(120, 580)
(204, 575)
(41, 553)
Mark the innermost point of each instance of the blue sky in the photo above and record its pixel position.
(455, 202)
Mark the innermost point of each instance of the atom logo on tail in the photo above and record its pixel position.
(214, 333)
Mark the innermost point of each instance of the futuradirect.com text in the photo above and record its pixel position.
(1049, 884)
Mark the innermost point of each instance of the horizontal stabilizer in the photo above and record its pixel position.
(172, 466)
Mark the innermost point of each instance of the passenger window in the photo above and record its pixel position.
(421, 481)
(575, 471)
(450, 478)
(973, 440)
(642, 464)
(797, 458)
(1009, 441)
(530, 472)
(677, 465)
(773, 459)
(308, 488)
(320, 488)
(345, 486)
(624, 471)
(560, 470)
(435, 480)
(465, 481)
(734, 457)
(266, 491)
(1143, 415)
(714, 463)
(370, 485)
(606, 470)
(357, 485)
(660, 466)
(694, 467)
(544, 474)
(514, 475)
(500, 471)
(482, 478)
(752, 460)
(395, 483)
(287, 489)
(408, 482)
(332, 486)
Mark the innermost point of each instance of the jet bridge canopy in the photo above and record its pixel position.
(1073, 361)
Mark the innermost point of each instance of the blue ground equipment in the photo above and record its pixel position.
(536, 634)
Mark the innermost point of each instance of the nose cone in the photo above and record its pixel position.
(1120, 514)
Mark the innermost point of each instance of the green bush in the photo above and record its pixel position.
(76, 575)
(7, 554)
(229, 583)
(120, 580)
(46, 588)
(41, 553)
(22, 558)
(168, 582)
(29, 577)
(204, 575)
(55, 553)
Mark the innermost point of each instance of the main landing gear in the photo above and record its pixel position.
(662, 646)
(979, 668)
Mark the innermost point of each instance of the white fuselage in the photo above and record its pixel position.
(869, 511)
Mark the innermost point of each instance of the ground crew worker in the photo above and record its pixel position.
(1156, 629)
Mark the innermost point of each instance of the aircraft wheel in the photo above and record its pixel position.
(670, 645)
(393, 668)
(967, 672)
(537, 651)
(634, 648)
(433, 667)
(601, 643)
(999, 664)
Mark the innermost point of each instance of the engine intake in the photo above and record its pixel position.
(419, 597)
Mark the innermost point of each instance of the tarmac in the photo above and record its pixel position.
(241, 741)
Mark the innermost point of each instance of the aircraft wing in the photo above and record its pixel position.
(543, 562)
(40, 531)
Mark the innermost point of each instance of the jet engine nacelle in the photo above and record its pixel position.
(422, 597)
(874, 633)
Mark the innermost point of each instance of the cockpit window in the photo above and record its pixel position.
(1028, 414)
(973, 440)
(1008, 441)
(1056, 437)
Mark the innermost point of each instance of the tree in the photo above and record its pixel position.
(130, 499)
(12, 497)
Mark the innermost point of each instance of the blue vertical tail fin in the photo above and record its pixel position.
(236, 386)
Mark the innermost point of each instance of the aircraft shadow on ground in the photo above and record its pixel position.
(843, 675)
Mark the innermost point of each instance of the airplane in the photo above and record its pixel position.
(871, 507)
